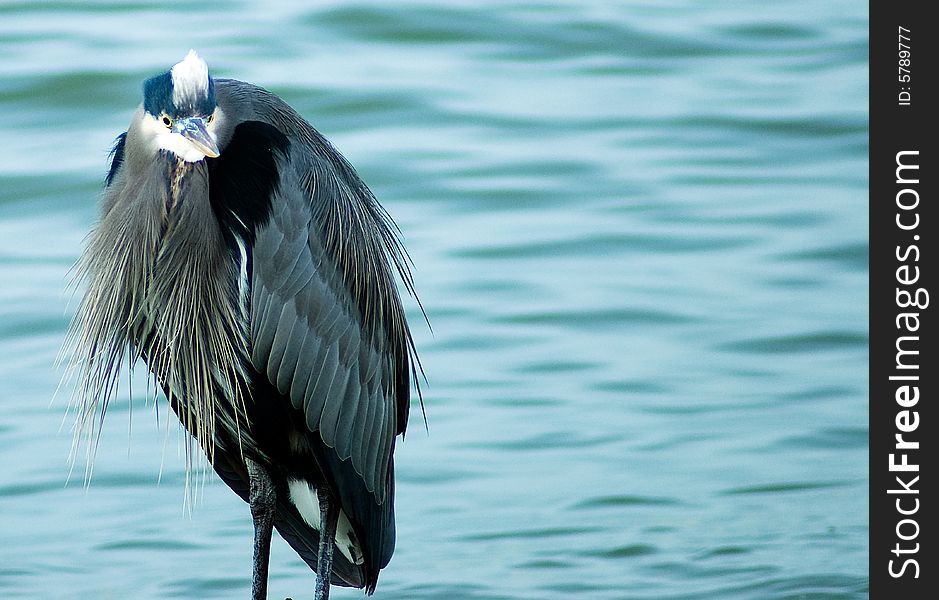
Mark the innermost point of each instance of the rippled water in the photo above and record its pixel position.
(640, 234)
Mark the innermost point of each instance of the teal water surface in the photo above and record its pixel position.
(639, 231)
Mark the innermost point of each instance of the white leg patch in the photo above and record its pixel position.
(303, 496)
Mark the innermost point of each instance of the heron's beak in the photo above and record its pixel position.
(193, 129)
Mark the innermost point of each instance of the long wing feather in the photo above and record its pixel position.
(327, 327)
(317, 329)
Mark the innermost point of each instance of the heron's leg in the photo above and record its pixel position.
(329, 516)
(262, 499)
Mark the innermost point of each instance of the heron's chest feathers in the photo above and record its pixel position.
(163, 282)
(178, 170)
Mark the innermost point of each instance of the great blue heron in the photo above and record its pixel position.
(242, 258)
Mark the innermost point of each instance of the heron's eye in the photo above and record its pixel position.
(167, 121)
(209, 118)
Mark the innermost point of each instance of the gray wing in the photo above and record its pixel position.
(327, 327)
(309, 336)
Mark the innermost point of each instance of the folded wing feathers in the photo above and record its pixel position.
(285, 324)
(327, 325)
(292, 356)
(345, 433)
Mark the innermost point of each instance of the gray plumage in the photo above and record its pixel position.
(323, 296)
(259, 287)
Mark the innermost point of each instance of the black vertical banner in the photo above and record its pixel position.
(904, 371)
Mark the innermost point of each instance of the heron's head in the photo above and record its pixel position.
(179, 109)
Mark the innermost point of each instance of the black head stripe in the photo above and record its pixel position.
(206, 105)
(158, 98)
(158, 95)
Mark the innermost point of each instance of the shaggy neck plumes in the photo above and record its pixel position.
(160, 287)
